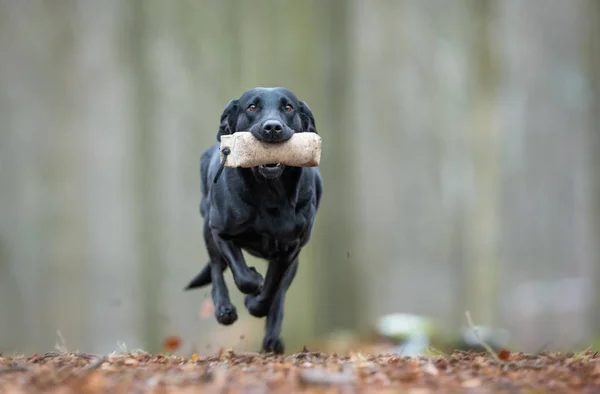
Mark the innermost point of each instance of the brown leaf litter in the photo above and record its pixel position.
(306, 372)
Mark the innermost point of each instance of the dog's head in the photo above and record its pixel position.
(272, 115)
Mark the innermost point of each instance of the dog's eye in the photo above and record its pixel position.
(252, 107)
(288, 108)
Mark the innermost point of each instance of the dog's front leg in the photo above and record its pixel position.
(247, 279)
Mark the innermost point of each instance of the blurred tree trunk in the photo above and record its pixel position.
(339, 290)
(147, 167)
(591, 35)
(175, 95)
(68, 213)
(41, 248)
(482, 219)
(104, 114)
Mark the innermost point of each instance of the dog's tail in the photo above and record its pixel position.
(202, 279)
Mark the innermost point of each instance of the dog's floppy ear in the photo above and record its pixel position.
(228, 119)
(308, 120)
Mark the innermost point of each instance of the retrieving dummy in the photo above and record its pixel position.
(302, 150)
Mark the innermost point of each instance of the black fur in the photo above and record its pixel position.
(268, 211)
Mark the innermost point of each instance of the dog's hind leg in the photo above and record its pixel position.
(272, 340)
(225, 312)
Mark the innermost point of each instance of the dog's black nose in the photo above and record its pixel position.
(272, 127)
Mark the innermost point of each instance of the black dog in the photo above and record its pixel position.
(268, 210)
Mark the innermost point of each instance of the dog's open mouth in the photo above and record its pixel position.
(271, 170)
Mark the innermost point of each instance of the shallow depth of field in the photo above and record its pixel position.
(456, 247)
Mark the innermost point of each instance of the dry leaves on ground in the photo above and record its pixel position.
(312, 372)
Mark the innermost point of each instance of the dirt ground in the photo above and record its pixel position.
(307, 372)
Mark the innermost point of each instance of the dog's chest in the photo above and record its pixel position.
(282, 224)
(267, 246)
(272, 232)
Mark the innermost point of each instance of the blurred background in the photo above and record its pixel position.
(461, 166)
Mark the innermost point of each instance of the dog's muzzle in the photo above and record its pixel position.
(272, 130)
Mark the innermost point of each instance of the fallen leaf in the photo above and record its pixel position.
(172, 343)
(131, 361)
(504, 354)
(471, 383)
(430, 369)
(322, 377)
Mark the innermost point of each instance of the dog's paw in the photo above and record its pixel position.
(256, 306)
(273, 345)
(226, 314)
(251, 283)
